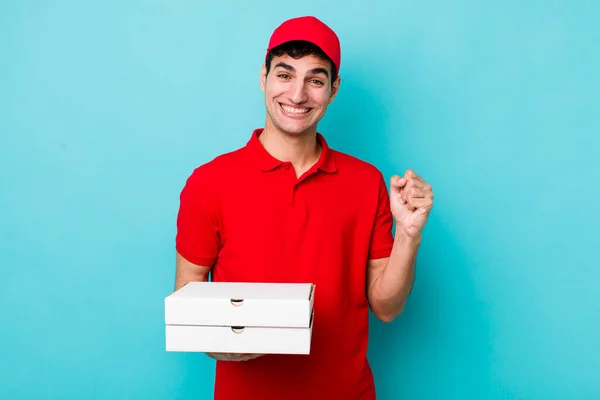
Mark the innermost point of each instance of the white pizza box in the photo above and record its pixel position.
(241, 304)
(246, 340)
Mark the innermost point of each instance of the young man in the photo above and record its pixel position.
(287, 208)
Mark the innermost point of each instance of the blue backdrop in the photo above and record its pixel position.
(106, 107)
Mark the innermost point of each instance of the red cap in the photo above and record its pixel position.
(309, 29)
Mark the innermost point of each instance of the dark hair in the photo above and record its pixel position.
(298, 49)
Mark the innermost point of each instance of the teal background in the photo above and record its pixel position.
(106, 107)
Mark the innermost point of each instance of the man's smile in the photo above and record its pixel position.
(294, 110)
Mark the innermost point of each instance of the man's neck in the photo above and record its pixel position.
(302, 151)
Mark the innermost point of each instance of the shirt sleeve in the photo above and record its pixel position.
(382, 239)
(198, 239)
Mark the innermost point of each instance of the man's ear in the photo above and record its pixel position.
(263, 77)
(335, 88)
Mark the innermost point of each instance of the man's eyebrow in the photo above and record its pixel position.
(319, 70)
(314, 71)
(285, 66)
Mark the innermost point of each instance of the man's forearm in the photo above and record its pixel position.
(392, 286)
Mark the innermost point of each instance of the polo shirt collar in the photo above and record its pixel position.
(267, 162)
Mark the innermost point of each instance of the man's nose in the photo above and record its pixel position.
(299, 94)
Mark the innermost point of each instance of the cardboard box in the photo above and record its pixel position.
(231, 317)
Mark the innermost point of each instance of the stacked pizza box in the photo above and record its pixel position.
(237, 317)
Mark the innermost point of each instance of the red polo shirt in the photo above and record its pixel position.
(246, 214)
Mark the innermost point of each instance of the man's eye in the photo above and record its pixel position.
(316, 82)
(284, 76)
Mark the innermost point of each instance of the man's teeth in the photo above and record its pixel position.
(294, 110)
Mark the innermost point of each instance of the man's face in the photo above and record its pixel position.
(297, 93)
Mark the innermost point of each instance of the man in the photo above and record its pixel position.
(287, 208)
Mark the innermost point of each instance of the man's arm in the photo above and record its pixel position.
(390, 280)
(186, 271)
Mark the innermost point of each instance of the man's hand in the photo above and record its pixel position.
(233, 356)
(411, 200)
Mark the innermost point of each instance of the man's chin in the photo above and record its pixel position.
(298, 132)
(294, 130)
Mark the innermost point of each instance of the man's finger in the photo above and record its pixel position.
(224, 356)
(412, 174)
(416, 193)
(218, 356)
(415, 183)
(397, 182)
(233, 356)
(248, 357)
(423, 204)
